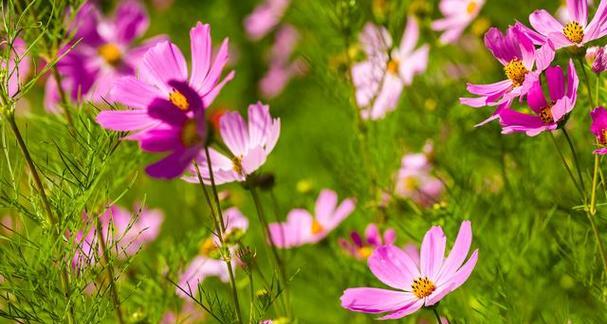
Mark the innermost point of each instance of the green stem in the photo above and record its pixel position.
(558, 149)
(110, 273)
(583, 68)
(436, 314)
(599, 243)
(575, 160)
(594, 184)
(251, 297)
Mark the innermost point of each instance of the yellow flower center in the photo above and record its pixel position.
(516, 72)
(393, 66)
(111, 53)
(237, 165)
(365, 251)
(603, 140)
(471, 7)
(574, 32)
(411, 183)
(546, 115)
(189, 133)
(316, 227)
(423, 287)
(207, 247)
(179, 100)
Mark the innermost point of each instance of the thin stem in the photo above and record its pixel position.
(63, 97)
(220, 229)
(110, 273)
(583, 67)
(575, 159)
(251, 297)
(436, 314)
(594, 184)
(599, 243)
(580, 191)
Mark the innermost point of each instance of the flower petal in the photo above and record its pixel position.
(163, 63)
(407, 310)
(393, 267)
(459, 251)
(544, 23)
(375, 300)
(432, 252)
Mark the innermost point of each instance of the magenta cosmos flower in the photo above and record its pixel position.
(249, 145)
(458, 14)
(17, 67)
(361, 248)
(414, 179)
(416, 284)
(302, 228)
(209, 262)
(380, 79)
(599, 129)
(577, 31)
(124, 233)
(547, 114)
(104, 52)
(265, 17)
(522, 64)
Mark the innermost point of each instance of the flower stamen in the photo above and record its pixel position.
(423, 287)
(393, 66)
(179, 100)
(189, 134)
(546, 115)
(516, 71)
(471, 7)
(574, 32)
(317, 227)
(111, 53)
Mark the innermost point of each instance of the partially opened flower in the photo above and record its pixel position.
(575, 32)
(302, 228)
(415, 285)
(380, 79)
(547, 114)
(17, 67)
(597, 58)
(458, 14)
(265, 17)
(210, 262)
(415, 181)
(522, 64)
(104, 51)
(249, 145)
(599, 129)
(362, 247)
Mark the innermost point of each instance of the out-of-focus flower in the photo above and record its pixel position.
(302, 228)
(414, 179)
(380, 79)
(418, 284)
(597, 58)
(458, 14)
(162, 5)
(249, 146)
(360, 248)
(265, 17)
(168, 108)
(17, 67)
(190, 313)
(281, 68)
(209, 262)
(522, 65)
(575, 32)
(123, 233)
(547, 113)
(104, 52)
(599, 129)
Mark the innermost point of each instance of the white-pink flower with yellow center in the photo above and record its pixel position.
(303, 228)
(458, 14)
(249, 145)
(380, 79)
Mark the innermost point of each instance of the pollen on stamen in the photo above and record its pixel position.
(471, 7)
(546, 115)
(237, 165)
(110, 53)
(393, 66)
(574, 32)
(423, 287)
(516, 71)
(207, 247)
(179, 100)
(316, 227)
(603, 138)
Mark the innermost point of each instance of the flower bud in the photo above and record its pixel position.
(600, 61)
(246, 256)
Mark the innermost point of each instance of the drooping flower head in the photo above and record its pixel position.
(124, 234)
(575, 32)
(265, 17)
(104, 51)
(547, 114)
(361, 248)
(458, 14)
(249, 145)
(17, 67)
(302, 228)
(522, 64)
(599, 129)
(381, 77)
(415, 181)
(415, 285)
(209, 261)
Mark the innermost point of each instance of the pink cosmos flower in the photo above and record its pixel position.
(265, 17)
(380, 79)
(599, 128)
(17, 67)
(547, 114)
(522, 64)
(303, 228)
(458, 14)
(597, 58)
(249, 146)
(362, 249)
(417, 284)
(414, 179)
(281, 68)
(124, 234)
(209, 263)
(576, 32)
(105, 51)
